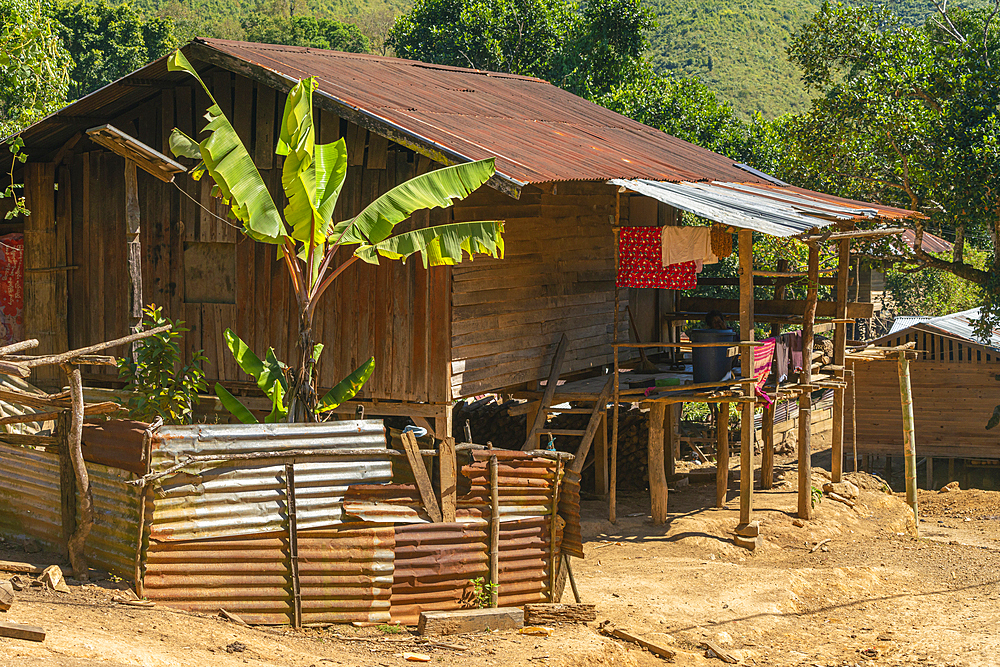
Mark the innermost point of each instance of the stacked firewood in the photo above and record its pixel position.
(490, 421)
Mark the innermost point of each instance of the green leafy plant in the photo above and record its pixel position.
(272, 378)
(482, 592)
(816, 496)
(389, 629)
(307, 237)
(16, 144)
(160, 385)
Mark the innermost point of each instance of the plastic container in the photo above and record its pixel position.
(711, 364)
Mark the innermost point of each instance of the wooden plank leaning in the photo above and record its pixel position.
(421, 477)
(531, 442)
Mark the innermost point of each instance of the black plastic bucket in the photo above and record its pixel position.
(710, 364)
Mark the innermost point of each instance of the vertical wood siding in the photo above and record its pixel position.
(394, 312)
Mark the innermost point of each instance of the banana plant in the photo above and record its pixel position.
(307, 237)
(270, 375)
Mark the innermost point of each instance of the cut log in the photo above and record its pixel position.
(19, 566)
(654, 648)
(546, 613)
(18, 631)
(713, 650)
(6, 595)
(469, 620)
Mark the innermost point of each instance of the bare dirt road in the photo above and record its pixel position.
(878, 596)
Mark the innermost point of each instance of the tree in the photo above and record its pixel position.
(907, 116)
(305, 31)
(307, 238)
(34, 65)
(584, 50)
(109, 40)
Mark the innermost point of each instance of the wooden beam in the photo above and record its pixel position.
(722, 456)
(448, 467)
(772, 307)
(531, 442)
(423, 480)
(767, 460)
(657, 474)
(132, 229)
(805, 399)
(463, 621)
(856, 234)
(746, 364)
(601, 457)
(839, 352)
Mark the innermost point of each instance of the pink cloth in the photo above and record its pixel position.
(640, 265)
(11, 288)
(763, 354)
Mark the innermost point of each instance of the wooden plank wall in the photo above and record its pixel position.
(557, 277)
(397, 313)
(952, 401)
(941, 348)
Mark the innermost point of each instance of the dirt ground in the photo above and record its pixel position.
(875, 595)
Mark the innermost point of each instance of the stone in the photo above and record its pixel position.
(949, 487)
(745, 542)
(844, 489)
(751, 529)
(470, 620)
(52, 576)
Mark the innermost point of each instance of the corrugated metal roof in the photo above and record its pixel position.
(932, 242)
(240, 497)
(963, 325)
(906, 321)
(770, 209)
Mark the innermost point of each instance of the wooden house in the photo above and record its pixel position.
(955, 389)
(568, 174)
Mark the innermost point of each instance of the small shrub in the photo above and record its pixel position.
(816, 496)
(389, 629)
(160, 386)
(482, 592)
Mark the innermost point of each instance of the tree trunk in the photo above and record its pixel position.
(958, 253)
(302, 399)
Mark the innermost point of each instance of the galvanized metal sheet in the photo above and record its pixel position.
(773, 210)
(243, 497)
(117, 443)
(30, 508)
(345, 573)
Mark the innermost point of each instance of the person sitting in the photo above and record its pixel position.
(715, 320)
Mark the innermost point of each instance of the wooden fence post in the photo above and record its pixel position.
(909, 436)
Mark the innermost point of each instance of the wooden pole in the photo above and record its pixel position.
(494, 532)
(448, 480)
(909, 437)
(132, 222)
(613, 490)
(553, 521)
(657, 476)
(722, 456)
(839, 350)
(67, 477)
(293, 545)
(854, 419)
(805, 398)
(85, 508)
(746, 364)
(767, 461)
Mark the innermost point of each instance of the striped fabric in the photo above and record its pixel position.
(763, 355)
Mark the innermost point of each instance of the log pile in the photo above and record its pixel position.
(490, 421)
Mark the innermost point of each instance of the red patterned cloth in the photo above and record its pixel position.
(763, 355)
(11, 288)
(640, 265)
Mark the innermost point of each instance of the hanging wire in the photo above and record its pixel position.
(204, 208)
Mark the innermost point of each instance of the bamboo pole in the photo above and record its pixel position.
(854, 418)
(494, 532)
(722, 456)
(613, 492)
(909, 436)
(767, 460)
(839, 350)
(553, 525)
(805, 398)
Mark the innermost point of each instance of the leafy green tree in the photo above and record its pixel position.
(109, 40)
(307, 237)
(931, 292)
(305, 31)
(34, 65)
(586, 49)
(907, 116)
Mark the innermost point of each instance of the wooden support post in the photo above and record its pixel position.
(839, 350)
(293, 545)
(722, 456)
(746, 366)
(909, 437)
(132, 223)
(494, 531)
(67, 478)
(553, 525)
(767, 461)
(601, 457)
(657, 476)
(671, 441)
(533, 408)
(805, 398)
(593, 426)
(854, 419)
(85, 508)
(448, 475)
(421, 477)
(443, 426)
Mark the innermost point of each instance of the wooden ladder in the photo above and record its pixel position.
(545, 409)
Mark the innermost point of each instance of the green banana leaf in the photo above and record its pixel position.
(278, 409)
(231, 403)
(347, 388)
(229, 164)
(440, 245)
(431, 190)
(249, 362)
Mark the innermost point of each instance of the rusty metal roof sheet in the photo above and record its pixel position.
(931, 243)
(239, 497)
(767, 208)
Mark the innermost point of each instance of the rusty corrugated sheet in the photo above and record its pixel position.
(117, 443)
(385, 503)
(241, 497)
(346, 574)
(30, 507)
(569, 509)
(526, 484)
(524, 561)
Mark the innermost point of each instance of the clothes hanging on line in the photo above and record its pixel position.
(763, 354)
(687, 244)
(788, 355)
(639, 262)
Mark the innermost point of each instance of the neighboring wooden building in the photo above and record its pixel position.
(955, 389)
(437, 334)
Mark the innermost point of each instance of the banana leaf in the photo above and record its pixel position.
(229, 164)
(431, 190)
(440, 245)
(249, 362)
(347, 388)
(231, 403)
